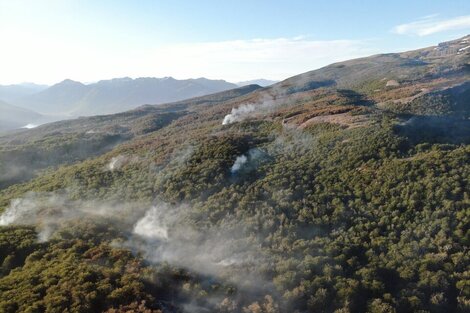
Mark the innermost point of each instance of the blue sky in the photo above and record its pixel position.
(87, 40)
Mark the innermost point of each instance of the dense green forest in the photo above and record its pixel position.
(328, 192)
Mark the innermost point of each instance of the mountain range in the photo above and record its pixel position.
(11, 93)
(71, 98)
(342, 189)
(259, 82)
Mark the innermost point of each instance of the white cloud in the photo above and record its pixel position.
(431, 24)
(26, 56)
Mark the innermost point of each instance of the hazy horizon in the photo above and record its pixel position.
(26, 83)
(88, 41)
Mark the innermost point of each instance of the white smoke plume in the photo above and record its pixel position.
(115, 162)
(238, 163)
(163, 235)
(20, 210)
(251, 159)
(273, 97)
(50, 211)
(238, 114)
(267, 102)
(152, 225)
(119, 161)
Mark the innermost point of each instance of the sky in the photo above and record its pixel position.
(47, 41)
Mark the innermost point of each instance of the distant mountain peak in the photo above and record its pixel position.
(124, 79)
(117, 94)
(261, 82)
(33, 85)
(69, 82)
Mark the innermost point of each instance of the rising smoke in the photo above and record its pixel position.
(268, 101)
(249, 161)
(163, 235)
(238, 163)
(119, 161)
(272, 98)
(152, 225)
(160, 232)
(238, 114)
(49, 212)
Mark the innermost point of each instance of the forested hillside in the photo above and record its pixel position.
(344, 189)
